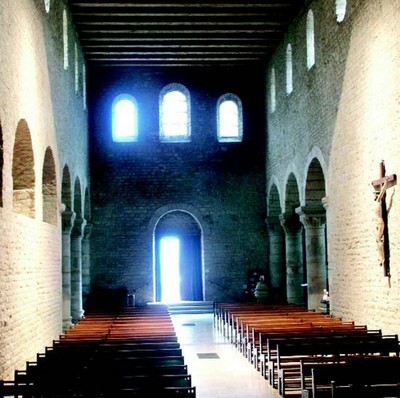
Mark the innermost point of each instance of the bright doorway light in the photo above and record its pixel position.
(169, 266)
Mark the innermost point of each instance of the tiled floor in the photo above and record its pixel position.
(218, 370)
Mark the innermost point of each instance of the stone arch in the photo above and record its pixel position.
(294, 242)
(49, 188)
(23, 171)
(292, 199)
(315, 184)
(77, 234)
(68, 218)
(66, 191)
(316, 164)
(276, 247)
(77, 197)
(274, 203)
(182, 221)
(313, 217)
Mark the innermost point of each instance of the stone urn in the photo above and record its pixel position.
(261, 292)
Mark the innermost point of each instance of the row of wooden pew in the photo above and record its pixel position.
(133, 352)
(309, 354)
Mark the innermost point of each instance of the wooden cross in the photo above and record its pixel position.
(382, 234)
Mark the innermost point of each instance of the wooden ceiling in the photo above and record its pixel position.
(181, 33)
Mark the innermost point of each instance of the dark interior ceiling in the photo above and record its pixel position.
(181, 33)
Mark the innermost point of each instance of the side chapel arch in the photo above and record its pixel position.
(293, 243)
(67, 217)
(76, 254)
(23, 171)
(276, 246)
(49, 188)
(313, 218)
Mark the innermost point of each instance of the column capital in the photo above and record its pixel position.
(79, 227)
(325, 202)
(273, 224)
(68, 219)
(87, 230)
(290, 222)
(312, 216)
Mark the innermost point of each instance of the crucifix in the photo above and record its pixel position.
(382, 232)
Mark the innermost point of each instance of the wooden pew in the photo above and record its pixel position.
(226, 312)
(370, 376)
(285, 368)
(235, 317)
(163, 392)
(268, 341)
(132, 350)
(308, 321)
(112, 384)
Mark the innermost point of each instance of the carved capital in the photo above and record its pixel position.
(290, 222)
(68, 218)
(79, 227)
(273, 225)
(312, 216)
(87, 231)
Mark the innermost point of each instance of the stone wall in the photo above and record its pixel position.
(43, 128)
(220, 185)
(344, 112)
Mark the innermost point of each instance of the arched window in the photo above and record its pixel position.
(340, 10)
(76, 68)
(124, 119)
(47, 5)
(289, 70)
(229, 119)
(175, 114)
(310, 40)
(272, 90)
(49, 188)
(84, 87)
(65, 39)
(23, 172)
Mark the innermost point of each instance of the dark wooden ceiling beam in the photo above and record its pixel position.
(179, 4)
(181, 33)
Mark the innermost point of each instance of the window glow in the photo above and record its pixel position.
(289, 70)
(84, 86)
(47, 5)
(340, 10)
(124, 119)
(174, 114)
(310, 40)
(76, 69)
(229, 118)
(272, 86)
(65, 39)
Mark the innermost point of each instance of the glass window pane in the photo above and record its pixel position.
(124, 120)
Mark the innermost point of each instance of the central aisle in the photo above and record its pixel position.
(218, 370)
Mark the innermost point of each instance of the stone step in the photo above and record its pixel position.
(191, 307)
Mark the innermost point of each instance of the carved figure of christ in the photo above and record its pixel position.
(382, 232)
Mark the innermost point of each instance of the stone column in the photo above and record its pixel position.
(68, 218)
(294, 257)
(314, 218)
(86, 262)
(276, 260)
(76, 269)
